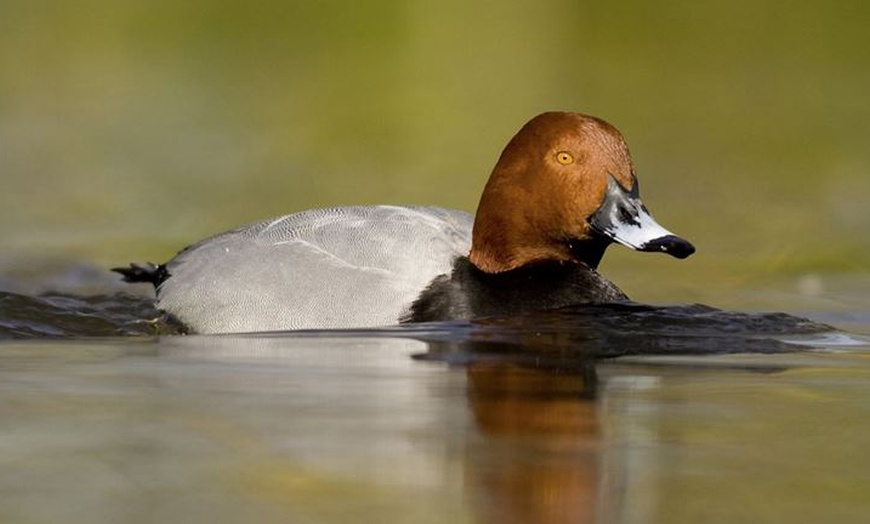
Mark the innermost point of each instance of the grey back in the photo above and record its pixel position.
(323, 268)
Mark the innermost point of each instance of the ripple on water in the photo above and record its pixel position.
(66, 316)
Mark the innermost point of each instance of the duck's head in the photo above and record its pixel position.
(564, 189)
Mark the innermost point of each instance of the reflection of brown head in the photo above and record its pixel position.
(539, 458)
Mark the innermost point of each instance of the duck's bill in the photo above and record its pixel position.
(624, 219)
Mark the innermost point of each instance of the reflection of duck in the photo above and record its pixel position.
(539, 457)
(563, 189)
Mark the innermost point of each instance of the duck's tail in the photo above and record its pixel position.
(146, 272)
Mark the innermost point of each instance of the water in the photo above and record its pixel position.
(625, 413)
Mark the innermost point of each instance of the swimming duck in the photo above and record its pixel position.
(563, 190)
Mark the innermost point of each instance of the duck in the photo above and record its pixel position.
(562, 191)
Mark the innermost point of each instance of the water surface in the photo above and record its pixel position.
(629, 413)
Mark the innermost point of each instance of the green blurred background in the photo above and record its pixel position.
(130, 129)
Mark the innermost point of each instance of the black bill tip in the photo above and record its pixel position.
(670, 244)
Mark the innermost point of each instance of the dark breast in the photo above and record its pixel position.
(470, 293)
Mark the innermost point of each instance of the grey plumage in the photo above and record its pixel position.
(323, 268)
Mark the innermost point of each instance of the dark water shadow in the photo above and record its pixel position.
(577, 335)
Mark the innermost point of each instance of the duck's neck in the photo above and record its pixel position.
(589, 250)
(506, 236)
(501, 250)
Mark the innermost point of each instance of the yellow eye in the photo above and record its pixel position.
(564, 158)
